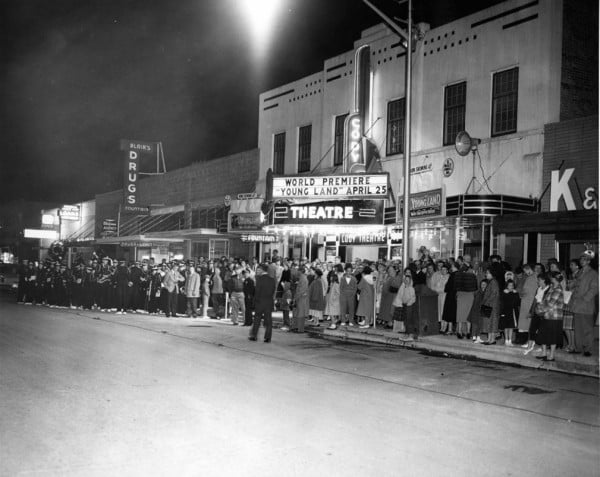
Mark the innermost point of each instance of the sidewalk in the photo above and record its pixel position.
(462, 349)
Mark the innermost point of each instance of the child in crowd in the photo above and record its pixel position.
(404, 312)
(510, 302)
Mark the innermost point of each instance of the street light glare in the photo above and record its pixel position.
(260, 17)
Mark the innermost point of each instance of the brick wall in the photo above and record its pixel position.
(579, 70)
(202, 183)
(571, 144)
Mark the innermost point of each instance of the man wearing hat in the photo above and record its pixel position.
(104, 284)
(583, 304)
(263, 303)
(170, 282)
(136, 299)
(123, 284)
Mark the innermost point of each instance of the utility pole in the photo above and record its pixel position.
(408, 38)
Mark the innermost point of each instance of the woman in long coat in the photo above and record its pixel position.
(391, 285)
(366, 298)
(300, 301)
(491, 298)
(449, 313)
(527, 287)
(332, 301)
(316, 298)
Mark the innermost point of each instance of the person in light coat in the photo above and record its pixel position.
(171, 281)
(527, 288)
(192, 291)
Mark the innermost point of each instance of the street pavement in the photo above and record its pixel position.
(90, 393)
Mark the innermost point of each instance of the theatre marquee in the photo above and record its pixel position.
(354, 186)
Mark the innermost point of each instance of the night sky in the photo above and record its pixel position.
(76, 76)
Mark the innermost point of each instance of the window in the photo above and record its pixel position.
(504, 102)
(455, 99)
(338, 143)
(395, 127)
(304, 148)
(279, 153)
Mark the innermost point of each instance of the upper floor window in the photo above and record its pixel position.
(395, 127)
(304, 148)
(338, 149)
(279, 153)
(455, 99)
(505, 91)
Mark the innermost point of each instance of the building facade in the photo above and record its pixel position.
(187, 212)
(501, 74)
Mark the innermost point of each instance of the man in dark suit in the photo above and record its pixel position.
(263, 303)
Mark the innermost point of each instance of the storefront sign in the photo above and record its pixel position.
(245, 221)
(109, 228)
(133, 243)
(396, 236)
(421, 169)
(559, 188)
(367, 238)
(69, 212)
(50, 222)
(247, 196)
(356, 186)
(264, 238)
(40, 234)
(137, 209)
(343, 212)
(133, 150)
(424, 204)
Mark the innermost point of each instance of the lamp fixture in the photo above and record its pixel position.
(464, 144)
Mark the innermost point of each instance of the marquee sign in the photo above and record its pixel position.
(355, 186)
(336, 212)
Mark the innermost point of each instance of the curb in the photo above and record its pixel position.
(465, 351)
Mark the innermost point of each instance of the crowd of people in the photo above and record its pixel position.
(535, 304)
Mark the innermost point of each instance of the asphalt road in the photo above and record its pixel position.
(86, 393)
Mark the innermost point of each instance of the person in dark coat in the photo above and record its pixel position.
(509, 311)
(249, 289)
(263, 303)
(122, 287)
(449, 313)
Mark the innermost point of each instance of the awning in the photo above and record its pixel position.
(549, 222)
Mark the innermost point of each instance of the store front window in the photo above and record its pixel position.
(218, 248)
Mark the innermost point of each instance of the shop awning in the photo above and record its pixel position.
(549, 222)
